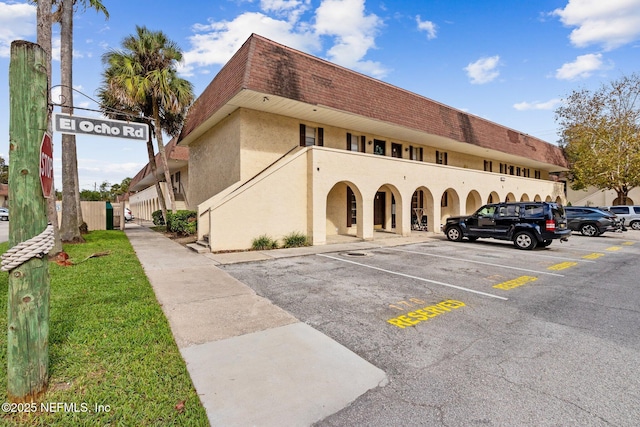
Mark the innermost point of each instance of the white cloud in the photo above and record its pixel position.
(291, 9)
(17, 22)
(353, 33)
(537, 105)
(427, 26)
(584, 66)
(343, 21)
(218, 41)
(484, 70)
(611, 23)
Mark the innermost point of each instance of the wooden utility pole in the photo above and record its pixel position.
(28, 305)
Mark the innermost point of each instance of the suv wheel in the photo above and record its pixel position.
(635, 225)
(589, 230)
(524, 240)
(544, 243)
(454, 234)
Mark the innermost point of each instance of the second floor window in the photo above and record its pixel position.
(415, 153)
(441, 158)
(355, 142)
(311, 136)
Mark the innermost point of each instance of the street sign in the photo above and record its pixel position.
(69, 124)
(46, 165)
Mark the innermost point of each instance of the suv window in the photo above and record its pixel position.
(619, 209)
(558, 212)
(636, 209)
(535, 210)
(487, 211)
(509, 210)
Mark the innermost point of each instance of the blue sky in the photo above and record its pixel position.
(507, 61)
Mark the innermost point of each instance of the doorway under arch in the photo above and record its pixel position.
(344, 210)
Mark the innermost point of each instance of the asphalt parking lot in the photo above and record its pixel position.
(477, 333)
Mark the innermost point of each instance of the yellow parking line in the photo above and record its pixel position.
(613, 248)
(514, 283)
(594, 255)
(562, 265)
(629, 243)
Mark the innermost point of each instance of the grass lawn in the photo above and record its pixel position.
(109, 345)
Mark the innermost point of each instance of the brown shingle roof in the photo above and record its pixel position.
(173, 151)
(267, 67)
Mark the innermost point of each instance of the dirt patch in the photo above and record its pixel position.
(183, 240)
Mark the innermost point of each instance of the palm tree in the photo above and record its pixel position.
(44, 18)
(71, 211)
(142, 78)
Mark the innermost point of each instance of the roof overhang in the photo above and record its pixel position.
(329, 116)
(148, 180)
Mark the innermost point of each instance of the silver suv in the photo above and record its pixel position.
(631, 215)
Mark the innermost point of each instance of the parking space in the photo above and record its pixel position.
(476, 333)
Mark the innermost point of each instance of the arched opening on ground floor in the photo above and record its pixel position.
(493, 198)
(510, 198)
(449, 205)
(387, 209)
(537, 198)
(627, 201)
(344, 210)
(422, 210)
(474, 201)
(525, 198)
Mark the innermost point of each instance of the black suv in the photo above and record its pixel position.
(527, 224)
(591, 221)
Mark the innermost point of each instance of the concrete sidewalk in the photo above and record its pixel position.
(251, 362)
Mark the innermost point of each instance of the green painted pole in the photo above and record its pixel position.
(28, 305)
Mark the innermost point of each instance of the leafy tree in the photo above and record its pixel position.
(90, 196)
(601, 136)
(124, 185)
(142, 78)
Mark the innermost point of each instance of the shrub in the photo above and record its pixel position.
(157, 217)
(183, 222)
(295, 240)
(263, 242)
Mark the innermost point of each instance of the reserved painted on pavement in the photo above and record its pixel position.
(562, 266)
(414, 317)
(514, 283)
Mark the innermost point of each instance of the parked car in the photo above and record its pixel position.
(630, 214)
(128, 216)
(527, 224)
(4, 214)
(591, 221)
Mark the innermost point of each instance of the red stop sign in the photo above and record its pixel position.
(46, 165)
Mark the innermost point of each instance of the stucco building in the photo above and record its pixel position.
(282, 141)
(144, 199)
(594, 197)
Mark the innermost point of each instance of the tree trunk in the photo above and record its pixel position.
(623, 196)
(28, 291)
(154, 169)
(163, 157)
(70, 229)
(44, 40)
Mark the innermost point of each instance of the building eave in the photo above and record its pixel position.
(266, 76)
